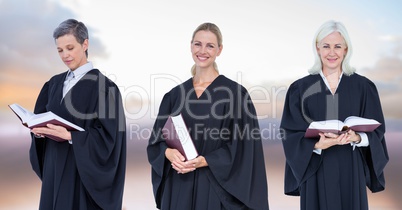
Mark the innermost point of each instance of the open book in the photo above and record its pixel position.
(358, 124)
(177, 137)
(32, 120)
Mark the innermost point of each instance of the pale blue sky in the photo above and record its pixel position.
(259, 36)
(266, 42)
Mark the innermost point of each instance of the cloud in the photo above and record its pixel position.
(387, 71)
(387, 75)
(28, 56)
(390, 38)
(26, 38)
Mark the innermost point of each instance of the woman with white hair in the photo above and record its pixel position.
(332, 171)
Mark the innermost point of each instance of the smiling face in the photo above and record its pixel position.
(205, 49)
(332, 49)
(71, 52)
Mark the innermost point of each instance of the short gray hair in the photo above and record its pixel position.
(326, 29)
(73, 27)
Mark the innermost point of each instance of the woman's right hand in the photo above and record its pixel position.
(328, 140)
(178, 161)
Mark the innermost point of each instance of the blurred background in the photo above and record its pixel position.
(144, 46)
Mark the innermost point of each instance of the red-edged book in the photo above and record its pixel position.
(32, 120)
(176, 135)
(358, 124)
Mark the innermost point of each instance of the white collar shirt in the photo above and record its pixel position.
(74, 76)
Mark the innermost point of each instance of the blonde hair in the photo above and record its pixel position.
(326, 29)
(215, 30)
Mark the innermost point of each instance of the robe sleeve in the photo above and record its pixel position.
(156, 149)
(37, 149)
(375, 155)
(241, 160)
(100, 150)
(293, 127)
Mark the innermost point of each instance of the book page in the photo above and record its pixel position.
(353, 120)
(328, 124)
(41, 117)
(184, 136)
(50, 117)
(31, 120)
(357, 124)
(22, 113)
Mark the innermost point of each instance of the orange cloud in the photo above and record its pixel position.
(19, 86)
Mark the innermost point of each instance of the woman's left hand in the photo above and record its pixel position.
(198, 162)
(53, 130)
(353, 136)
(191, 165)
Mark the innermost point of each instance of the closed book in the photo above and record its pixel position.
(357, 124)
(32, 120)
(176, 135)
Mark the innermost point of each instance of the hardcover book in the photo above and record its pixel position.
(176, 135)
(32, 120)
(358, 124)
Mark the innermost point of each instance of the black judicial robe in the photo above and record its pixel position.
(225, 130)
(90, 172)
(337, 178)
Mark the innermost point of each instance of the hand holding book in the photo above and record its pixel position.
(47, 120)
(177, 136)
(55, 132)
(357, 124)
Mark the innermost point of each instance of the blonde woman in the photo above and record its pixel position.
(229, 172)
